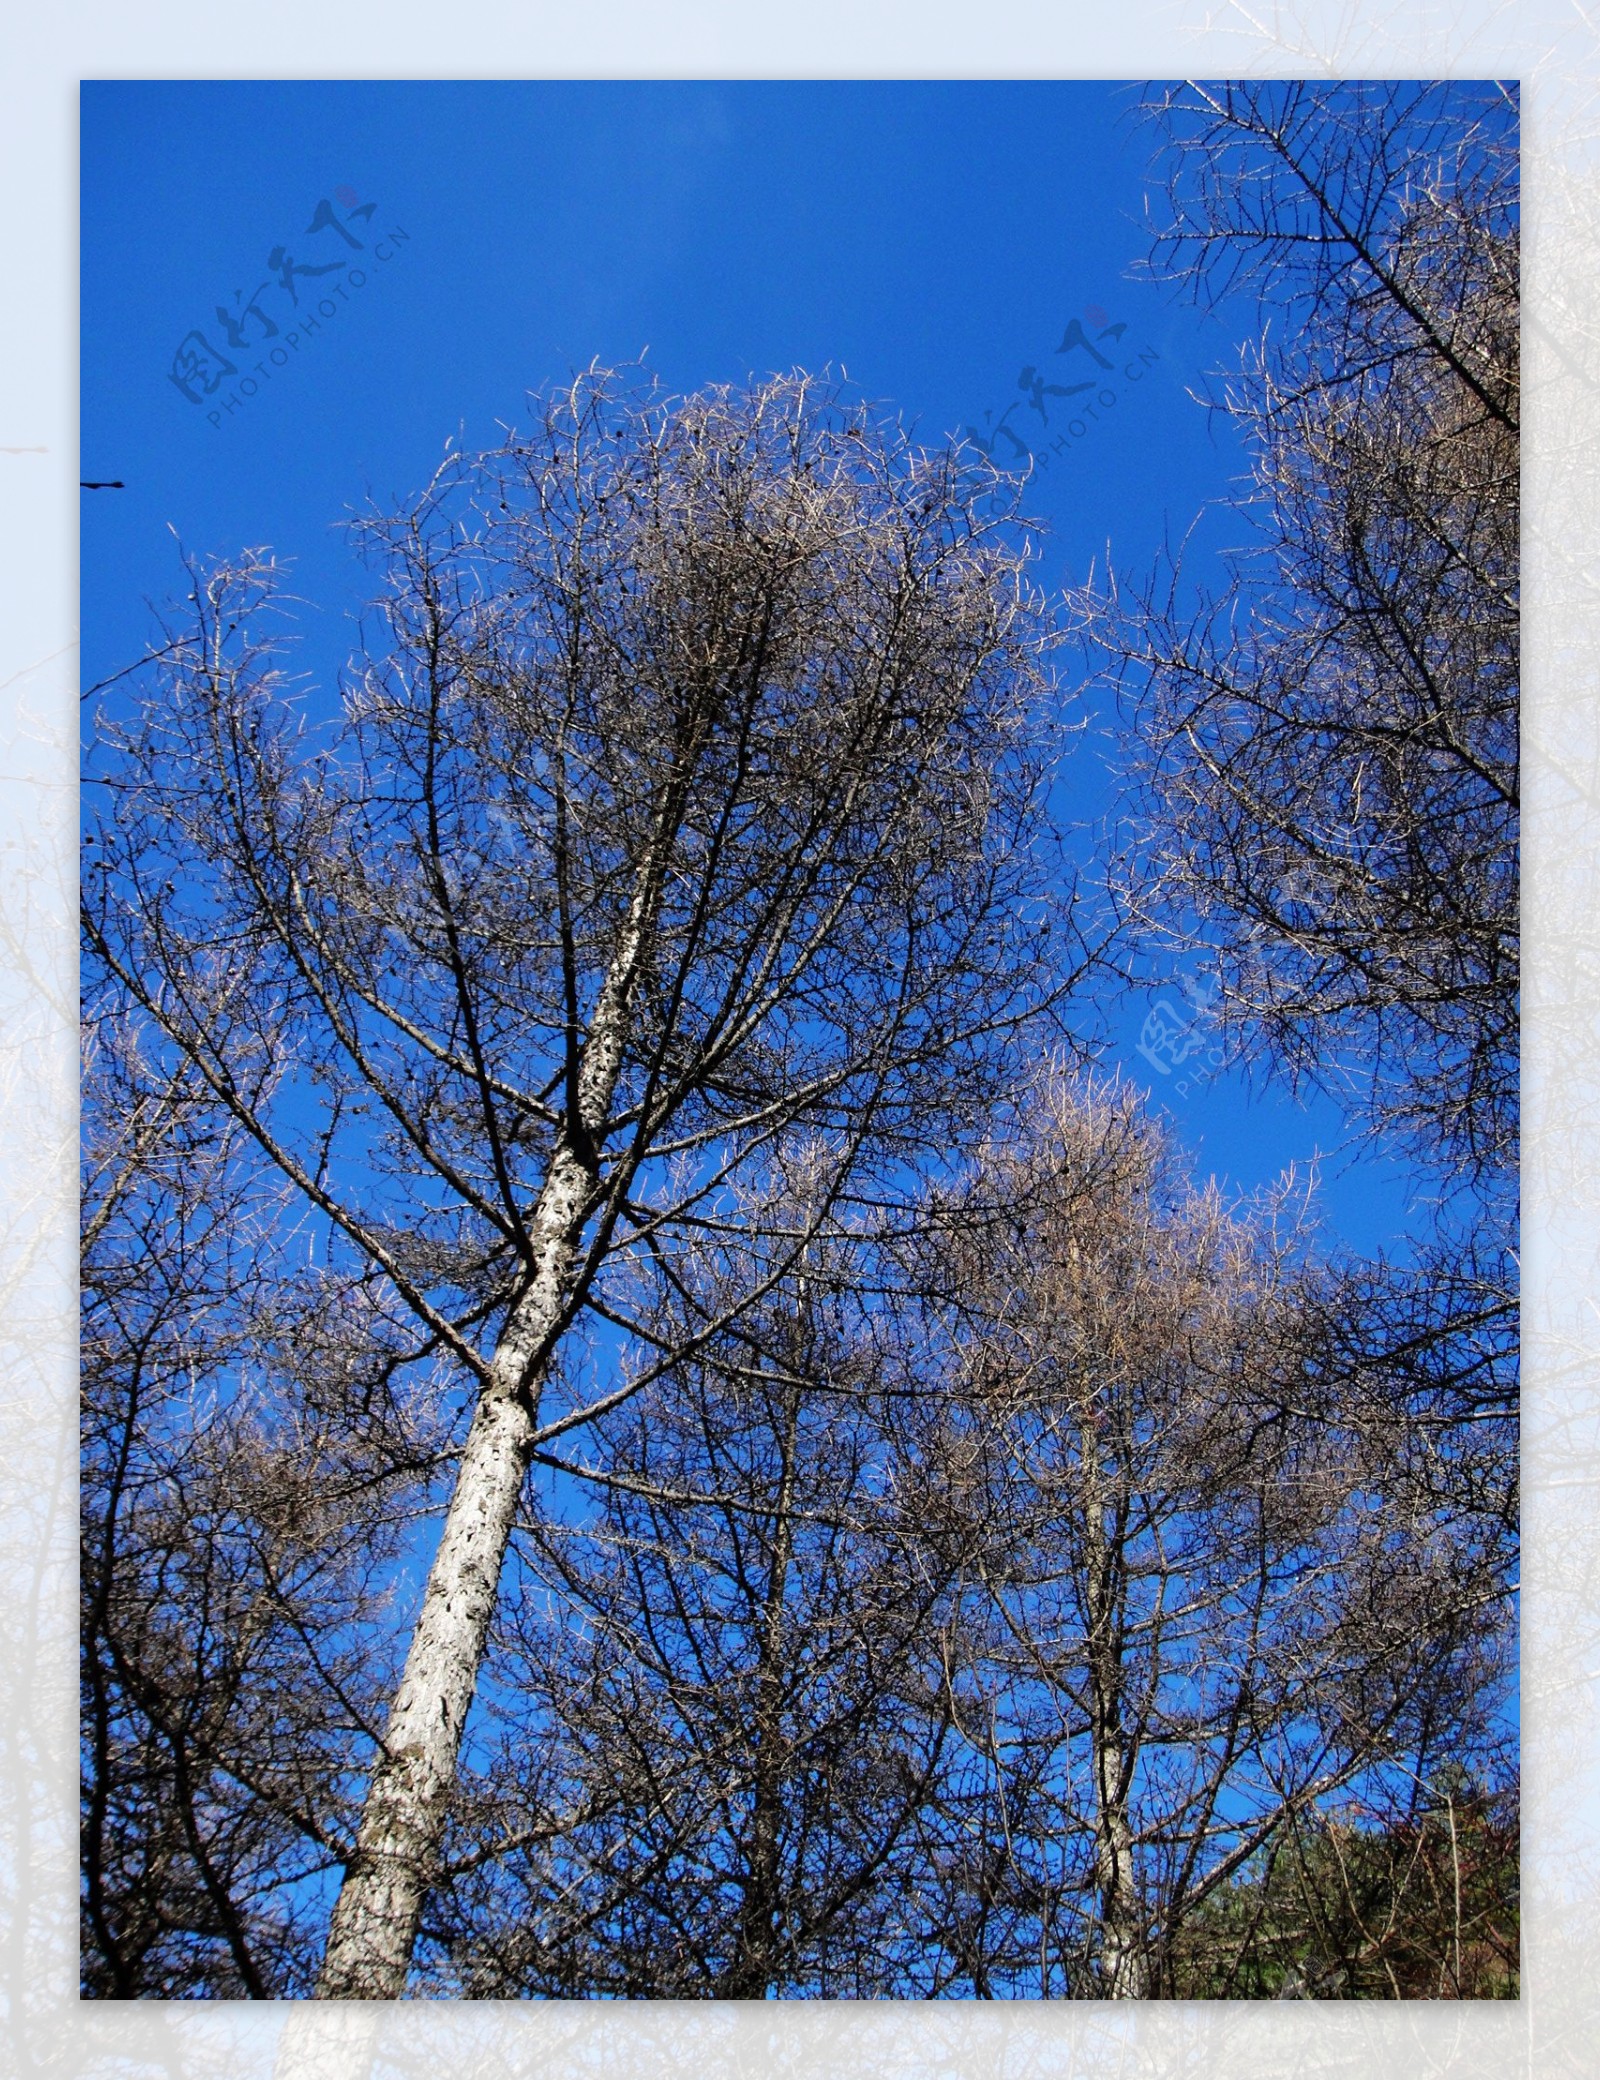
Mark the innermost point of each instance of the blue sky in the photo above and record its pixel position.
(935, 240)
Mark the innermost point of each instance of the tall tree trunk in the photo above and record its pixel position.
(379, 1908)
(1124, 1965)
(1124, 1961)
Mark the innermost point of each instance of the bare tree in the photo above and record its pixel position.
(1330, 783)
(1212, 1603)
(1326, 753)
(243, 1483)
(732, 1662)
(691, 798)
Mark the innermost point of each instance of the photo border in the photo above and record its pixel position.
(1553, 2028)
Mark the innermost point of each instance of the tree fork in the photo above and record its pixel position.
(379, 1909)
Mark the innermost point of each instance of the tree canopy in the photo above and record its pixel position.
(649, 1429)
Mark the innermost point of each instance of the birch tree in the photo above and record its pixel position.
(730, 1662)
(687, 796)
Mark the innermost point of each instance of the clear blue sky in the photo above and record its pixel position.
(934, 240)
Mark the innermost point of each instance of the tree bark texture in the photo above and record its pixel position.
(379, 1909)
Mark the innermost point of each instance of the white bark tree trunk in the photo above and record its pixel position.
(1124, 1966)
(379, 1908)
(1124, 1963)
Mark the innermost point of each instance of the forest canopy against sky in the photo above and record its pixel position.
(799, 1199)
